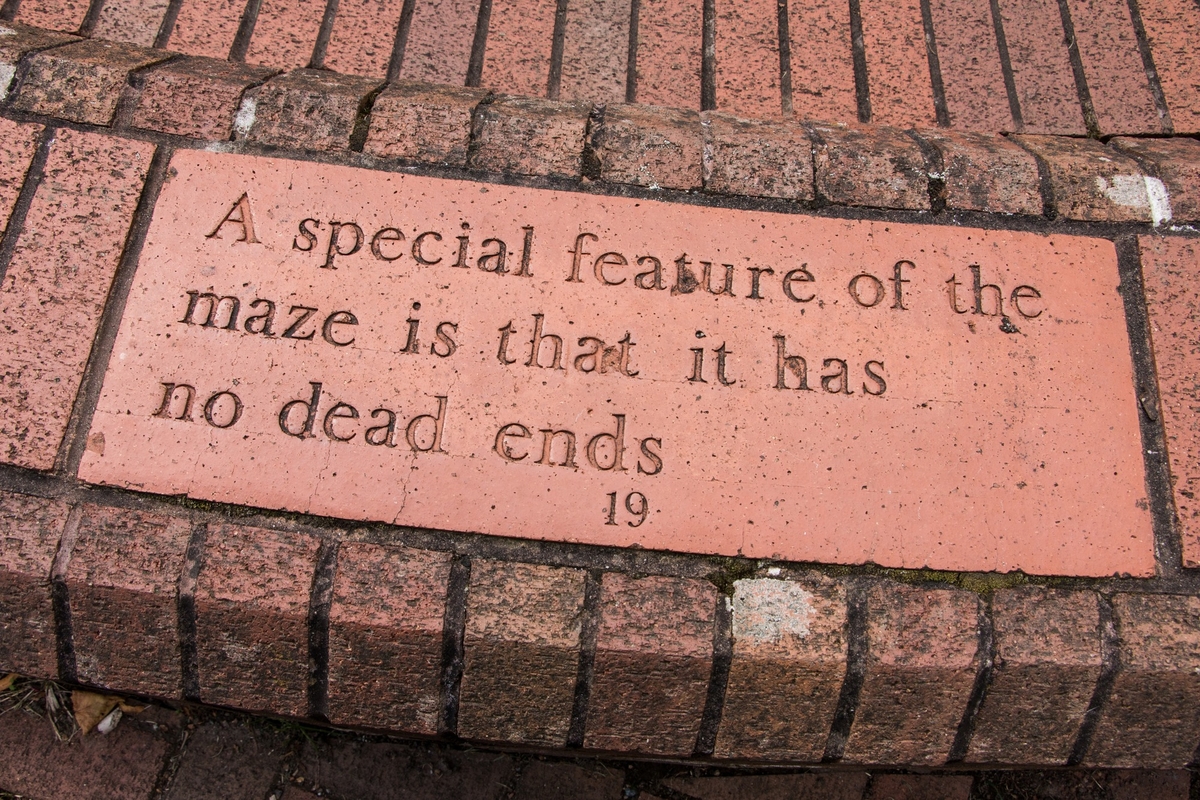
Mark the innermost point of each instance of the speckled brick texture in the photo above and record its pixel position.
(1176, 162)
(647, 146)
(670, 39)
(196, 97)
(362, 37)
(30, 531)
(1047, 662)
(420, 122)
(1041, 67)
(921, 661)
(385, 637)
(869, 166)
(76, 227)
(309, 110)
(18, 41)
(747, 58)
(133, 21)
(757, 158)
(285, 33)
(897, 66)
(972, 76)
(20, 141)
(1172, 27)
(821, 60)
(654, 649)
(56, 15)
(122, 580)
(1152, 717)
(1116, 77)
(985, 172)
(252, 602)
(521, 652)
(82, 82)
(520, 37)
(1090, 181)
(596, 51)
(206, 27)
(439, 41)
(530, 137)
(789, 651)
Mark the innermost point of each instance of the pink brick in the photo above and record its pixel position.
(57, 15)
(822, 62)
(747, 56)
(596, 51)
(76, 227)
(1173, 28)
(197, 97)
(1041, 67)
(897, 64)
(670, 40)
(134, 21)
(206, 27)
(20, 140)
(439, 41)
(1174, 161)
(972, 76)
(285, 33)
(30, 530)
(1116, 77)
(517, 57)
(364, 33)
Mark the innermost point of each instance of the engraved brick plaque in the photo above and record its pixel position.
(559, 365)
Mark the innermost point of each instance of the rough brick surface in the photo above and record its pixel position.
(1169, 270)
(362, 37)
(1046, 668)
(123, 580)
(596, 51)
(82, 81)
(206, 27)
(1090, 181)
(822, 61)
(521, 652)
(197, 97)
(540, 780)
(309, 110)
(747, 56)
(1152, 717)
(789, 652)
(56, 15)
(919, 787)
(1172, 27)
(1116, 77)
(252, 600)
(385, 637)
(759, 158)
(430, 124)
(813, 786)
(648, 146)
(228, 759)
(920, 667)
(439, 41)
(654, 649)
(1176, 162)
(530, 137)
(285, 33)
(30, 531)
(870, 166)
(20, 141)
(897, 66)
(1041, 67)
(133, 21)
(972, 76)
(18, 41)
(985, 172)
(517, 57)
(76, 227)
(670, 39)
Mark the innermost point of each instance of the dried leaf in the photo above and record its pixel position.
(90, 708)
(130, 708)
(7, 681)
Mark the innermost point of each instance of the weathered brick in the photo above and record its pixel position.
(309, 110)
(56, 15)
(822, 62)
(206, 27)
(197, 97)
(1176, 162)
(1152, 717)
(985, 172)
(1090, 181)
(18, 41)
(789, 652)
(252, 601)
(228, 759)
(920, 667)
(285, 33)
(30, 531)
(596, 51)
(520, 37)
(1169, 270)
(1116, 77)
(123, 579)
(650, 146)
(670, 39)
(530, 137)
(1046, 668)
(430, 124)
(82, 81)
(385, 637)
(1041, 67)
(747, 56)
(897, 66)
(76, 226)
(759, 158)
(521, 652)
(972, 76)
(810, 786)
(869, 166)
(920, 787)
(362, 37)
(438, 49)
(654, 647)
(133, 21)
(540, 780)
(1172, 29)
(20, 141)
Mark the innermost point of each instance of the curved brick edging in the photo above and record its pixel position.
(558, 645)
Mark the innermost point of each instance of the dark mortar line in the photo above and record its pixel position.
(453, 626)
(718, 681)
(29, 187)
(590, 162)
(319, 604)
(1110, 665)
(857, 646)
(940, 109)
(321, 45)
(1081, 86)
(785, 57)
(91, 17)
(362, 120)
(483, 23)
(476, 133)
(189, 574)
(1168, 545)
(9, 9)
(986, 654)
(588, 628)
(558, 43)
(631, 55)
(167, 26)
(400, 43)
(935, 169)
(241, 40)
(74, 442)
(708, 56)
(858, 50)
(60, 598)
(1143, 42)
(1006, 69)
(1045, 184)
(176, 746)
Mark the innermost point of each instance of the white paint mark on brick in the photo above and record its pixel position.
(245, 116)
(7, 73)
(1160, 201)
(1124, 190)
(7, 31)
(767, 610)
